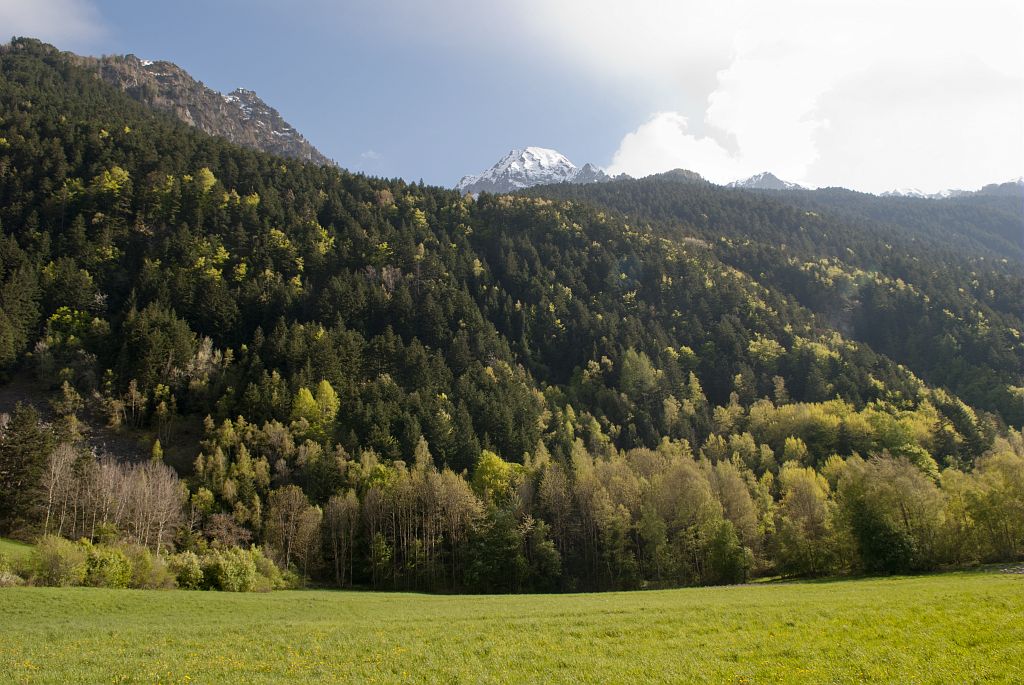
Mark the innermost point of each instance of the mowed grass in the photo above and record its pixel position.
(951, 628)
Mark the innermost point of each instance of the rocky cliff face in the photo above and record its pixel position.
(240, 116)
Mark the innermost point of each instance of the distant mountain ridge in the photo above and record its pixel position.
(240, 116)
(528, 167)
(921, 195)
(1009, 188)
(1014, 187)
(769, 181)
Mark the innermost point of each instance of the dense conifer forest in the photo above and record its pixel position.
(933, 284)
(376, 383)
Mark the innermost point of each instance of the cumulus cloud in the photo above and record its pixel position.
(906, 125)
(69, 24)
(665, 142)
(862, 95)
(870, 94)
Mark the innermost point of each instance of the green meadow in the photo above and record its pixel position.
(13, 550)
(957, 627)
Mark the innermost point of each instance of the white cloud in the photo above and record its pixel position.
(958, 127)
(69, 24)
(664, 142)
(868, 93)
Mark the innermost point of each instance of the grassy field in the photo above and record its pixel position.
(12, 549)
(962, 627)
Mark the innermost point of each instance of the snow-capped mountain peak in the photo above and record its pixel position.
(538, 158)
(526, 167)
(765, 181)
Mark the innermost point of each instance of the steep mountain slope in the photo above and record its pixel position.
(174, 225)
(935, 285)
(240, 116)
(979, 224)
(529, 167)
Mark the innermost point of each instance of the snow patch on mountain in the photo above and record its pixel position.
(904, 192)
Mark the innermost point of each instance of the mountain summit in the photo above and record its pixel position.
(240, 116)
(532, 166)
(765, 181)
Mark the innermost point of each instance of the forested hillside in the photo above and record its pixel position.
(936, 285)
(402, 387)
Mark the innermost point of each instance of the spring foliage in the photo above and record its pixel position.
(402, 387)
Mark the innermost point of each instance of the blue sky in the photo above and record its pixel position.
(368, 95)
(818, 92)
